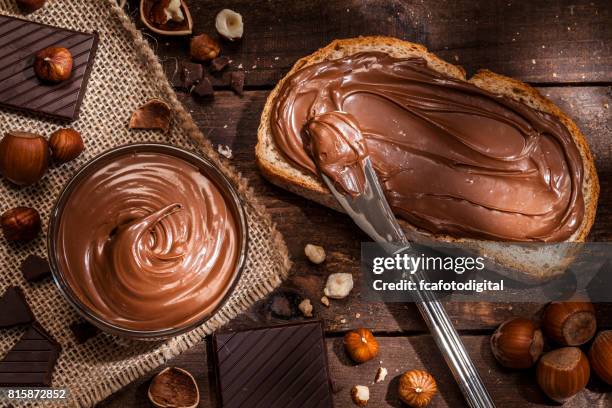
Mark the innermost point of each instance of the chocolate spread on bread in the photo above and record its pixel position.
(453, 159)
(148, 242)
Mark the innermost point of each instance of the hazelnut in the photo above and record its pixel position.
(517, 343)
(66, 144)
(229, 24)
(338, 285)
(174, 387)
(314, 253)
(562, 373)
(20, 224)
(360, 345)
(569, 323)
(53, 64)
(360, 394)
(381, 374)
(601, 356)
(417, 388)
(29, 6)
(24, 157)
(154, 114)
(163, 11)
(203, 48)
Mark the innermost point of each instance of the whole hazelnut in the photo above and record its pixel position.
(417, 388)
(203, 48)
(174, 387)
(563, 373)
(29, 6)
(24, 157)
(360, 345)
(569, 323)
(517, 343)
(53, 64)
(66, 144)
(601, 356)
(20, 224)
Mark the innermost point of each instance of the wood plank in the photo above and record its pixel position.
(545, 41)
(509, 388)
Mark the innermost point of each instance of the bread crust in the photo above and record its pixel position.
(276, 169)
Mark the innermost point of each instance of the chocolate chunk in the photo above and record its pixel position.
(35, 268)
(204, 88)
(282, 366)
(192, 73)
(14, 308)
(237, 82)
(31, 361)
(219, 64)
(20, 88)
(83, 331)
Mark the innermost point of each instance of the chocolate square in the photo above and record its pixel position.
(280, 366)
(21, 89)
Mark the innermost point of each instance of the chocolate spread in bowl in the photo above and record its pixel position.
(147, 241)
(453, 158)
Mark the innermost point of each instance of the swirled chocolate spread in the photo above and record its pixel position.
(148, 242)
(453, 158)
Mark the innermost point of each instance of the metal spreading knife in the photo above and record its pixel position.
(371, 212)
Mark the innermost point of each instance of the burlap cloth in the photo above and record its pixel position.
(126, 73)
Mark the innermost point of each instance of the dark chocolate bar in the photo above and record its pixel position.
(31, 361)
(21, 89)
(280, 366)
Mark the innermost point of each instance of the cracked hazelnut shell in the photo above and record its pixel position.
(203, 48)
(517, 343)
(24, 157)
(600, 356)
(66, 144)
(563, 373)
(569, 323)
(53, 64)
(20, 224)
(360, 345)
(174, 387)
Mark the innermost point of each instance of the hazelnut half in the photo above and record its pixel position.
(53, 64)
(360, 394)
(517, 343)
(601, 356)
(417, 388)
(154, 114)
(229, 24)
(24, 157)
(30, 6)
(203, 48)
(66, 144)
(20, 224)
(562, 373)
(174, 387)
(360, 345)
(569, 323)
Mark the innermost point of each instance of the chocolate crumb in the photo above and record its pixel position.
(204, 88)
(219, 64)
(34, 268)
(14, 309)
(83, 331)
(237, 82)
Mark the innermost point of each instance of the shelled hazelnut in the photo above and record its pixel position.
(20, 224)
(517, 343)
(569, 323)
(360, 394)
(53, 64)
(203, 48)
(24, 157)
(66, 145)
(229, 24)
(360, 345)
(417, 388)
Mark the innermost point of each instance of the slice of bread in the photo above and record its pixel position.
(530, 265)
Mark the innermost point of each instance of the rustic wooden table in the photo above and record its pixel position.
(564, 49)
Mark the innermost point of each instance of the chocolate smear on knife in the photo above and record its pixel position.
(32, 360)
(34, 268)
(14, 308)
(20, 89)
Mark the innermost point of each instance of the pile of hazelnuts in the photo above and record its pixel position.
(564, 371)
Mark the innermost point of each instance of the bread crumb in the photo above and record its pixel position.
(305, 307)
(533, 61)
(225, 151)
(342, 321)
(224, 126)
(276, 58)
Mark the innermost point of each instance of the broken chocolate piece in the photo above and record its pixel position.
(83, 331)
(219, 64)
(204, 88)
(191, 74)
(31, 361)
(14, 308)
(34, 268)
(237, 82)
